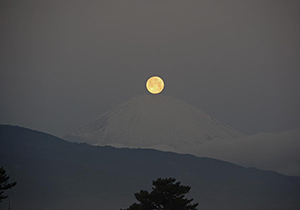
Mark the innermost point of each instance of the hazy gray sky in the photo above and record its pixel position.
(66, 62)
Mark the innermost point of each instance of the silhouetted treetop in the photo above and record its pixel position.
(167, 194)
(4, 185)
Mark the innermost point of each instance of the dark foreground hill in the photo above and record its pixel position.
(55, 174)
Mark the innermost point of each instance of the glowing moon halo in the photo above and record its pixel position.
(155, 85)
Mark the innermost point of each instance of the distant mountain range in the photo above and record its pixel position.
(54, 174)
(153, 121)
(166, 123)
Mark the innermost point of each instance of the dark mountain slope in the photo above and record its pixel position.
(55, 174)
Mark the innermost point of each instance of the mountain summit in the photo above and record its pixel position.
(153, 121)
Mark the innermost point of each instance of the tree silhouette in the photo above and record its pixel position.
(165, 195)
(4, 185)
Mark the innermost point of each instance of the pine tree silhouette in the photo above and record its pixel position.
(166, 195)
(4, 185)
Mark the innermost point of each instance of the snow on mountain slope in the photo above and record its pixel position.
(169, 124)
(268, 151)
(153, 121)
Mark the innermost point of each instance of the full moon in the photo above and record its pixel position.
(155, 85)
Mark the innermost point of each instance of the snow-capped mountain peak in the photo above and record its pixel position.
(153, 121)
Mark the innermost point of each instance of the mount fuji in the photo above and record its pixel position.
(153, 121)
(165, 123)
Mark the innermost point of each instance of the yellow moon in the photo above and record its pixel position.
(155, 85)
